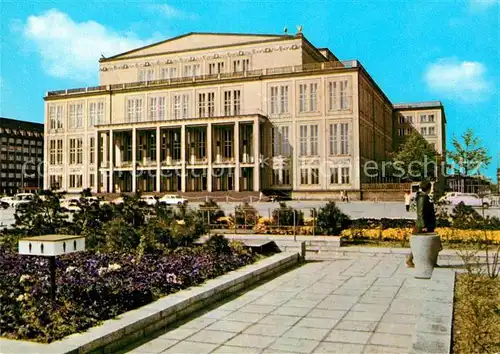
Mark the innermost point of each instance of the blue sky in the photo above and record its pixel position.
(415, 50)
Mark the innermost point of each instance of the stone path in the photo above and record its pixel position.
(372, 305)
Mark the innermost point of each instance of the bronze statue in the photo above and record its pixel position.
(426, 217)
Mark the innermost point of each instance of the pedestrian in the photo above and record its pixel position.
(342, 196)
(346, 196)
(407, 200)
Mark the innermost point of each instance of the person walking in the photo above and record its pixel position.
(407, 201)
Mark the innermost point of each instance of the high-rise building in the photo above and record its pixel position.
(21, 156)
(221, 112)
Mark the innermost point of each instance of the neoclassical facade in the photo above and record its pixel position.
(208, 112)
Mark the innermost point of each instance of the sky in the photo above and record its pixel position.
(415, 50)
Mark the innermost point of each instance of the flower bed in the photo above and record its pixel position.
(94, 287)
(447, 234)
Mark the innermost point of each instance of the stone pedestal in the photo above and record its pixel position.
(425, 249)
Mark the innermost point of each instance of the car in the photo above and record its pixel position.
(71, 204)
(470, 199)
(6, 201)
(149, 199)
(3, 205)
(172, 199)
(21, 198)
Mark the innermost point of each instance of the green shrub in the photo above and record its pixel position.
(246, 214)
(211, 211)
(218, 244)
(288, 216)
(331, 220)
(120, 236)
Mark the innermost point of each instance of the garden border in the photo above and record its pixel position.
(130, 326)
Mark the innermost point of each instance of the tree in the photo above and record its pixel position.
(468, 157)
(415, 160)
(331, 220)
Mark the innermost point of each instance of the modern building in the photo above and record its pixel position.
(208, 112)
(21, 156)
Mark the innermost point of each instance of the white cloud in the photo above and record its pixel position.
(171, 12)
(72, 49)
(481, 5)
(458, 80)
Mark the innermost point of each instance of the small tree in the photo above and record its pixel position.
(211, 211)
(468, 156)
(331, 220)
(288, 216)
(246, 215)
(415, 160)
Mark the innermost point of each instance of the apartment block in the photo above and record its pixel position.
(21, 155)
(209, 112)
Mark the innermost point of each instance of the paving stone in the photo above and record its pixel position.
(251, 340)
(391, 340)
(324, 313)
(178, 333)
(335, 305)
(270, 301)
(431, 343)
(379, 349)
(266, 329)
(331, 347)
(280, 320)
(307, 332)
(228, 326)
(294, 345)
(392, 282)
(317, 322)
(369, 308)
(302, 303)
(252, 308)
(199, 323)
(244, 317)
(363, 316)
(395, 328)
(344, 336)
(363, 326)
(208, 336)
(400, 318)
(227, 349)
(430, 327)
(291, 311)
(375, 300)
(216, 314)
(186, 347)
(155, 346)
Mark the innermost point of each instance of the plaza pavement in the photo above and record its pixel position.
(364, 305)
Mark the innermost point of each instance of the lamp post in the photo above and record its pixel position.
(51, 246)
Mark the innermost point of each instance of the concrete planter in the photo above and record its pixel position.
(425, 249)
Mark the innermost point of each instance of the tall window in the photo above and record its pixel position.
(339, 139)
(303, 140)
(192, 70)
(180, 105)
(92, 150)
(52, 152)
(76, 115)
(216, 68)
(169, 72)
(432, 130)
(147, 74)
(285, 141)
(308, 97)
(314, 175)
(423, 130)
(75, 181)
(96, 113)
(279, 99)
(345, 175)
(56, 117)
(206, 104)
(75, 151)
(430, 118)
(338, 95)
(241, 65)
(304, 176)
(59, 152)
(313, 140)
(156, 108)
(334, 175)
(134, 110)
(232, 102)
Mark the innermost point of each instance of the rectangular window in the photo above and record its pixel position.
(92, 150)
(344, 139)
(430, 118)
(314, 175)
(313, 97)
(232, 102)
(432, 130)
(180, 106)
(334, 175)
(216, 68)
(285, 142)
(333, 139)
(423, 130)
(156, 108)
(304, 176)
(52, 152)
(206, 104)
(169, 73)
(332, 96)
(55, 117)
(303, 140)
(75, 151)
(56, 181)
(147, 74)
(409, 119)
(402, 120)
(279, 99)
(423, 118)
(274, 100)
(91, 180)
(192, 70)
(59, 154)
(345, 175)
(401, 132)
(302, 98)
(344, 98)
(75, 181)
(313, 139)
(134, 110)
(241, 65)
(276, 141)
(96, 113)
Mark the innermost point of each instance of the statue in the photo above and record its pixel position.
(426, 217)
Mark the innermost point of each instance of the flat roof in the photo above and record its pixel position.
(426, 104)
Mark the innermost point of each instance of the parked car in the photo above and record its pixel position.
(149, 199)
(171, 199)
(5, 201)
(3, 205)
(471, 199)
(71, 204)
(20, 199)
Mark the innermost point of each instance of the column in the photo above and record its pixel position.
(111, 153)
(134, 160)
(158, 158)
(256, 154)
(236, 150)
(183, 158)
(209, 157)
